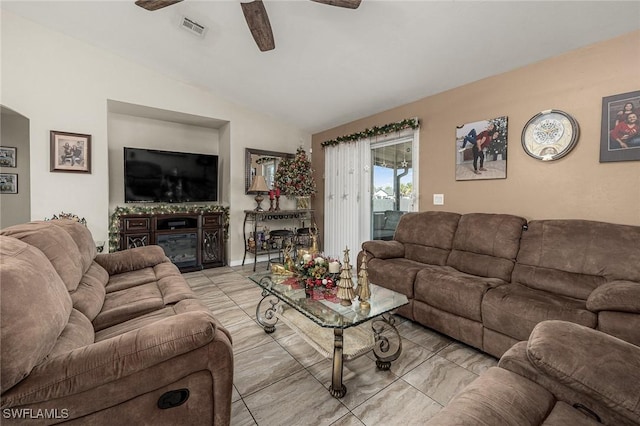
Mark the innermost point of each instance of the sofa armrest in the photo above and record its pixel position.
(383, 249)
(622, 296)
(131, 259)
(605, 368)
(103, 364)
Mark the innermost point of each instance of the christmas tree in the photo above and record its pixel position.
(345, 285)
(363, 291)
(294, 176)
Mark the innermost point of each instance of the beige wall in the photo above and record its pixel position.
(576, 186)
(138, 132)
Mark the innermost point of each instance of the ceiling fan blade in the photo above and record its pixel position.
(155, 4)
(259, 25)
(349, 4)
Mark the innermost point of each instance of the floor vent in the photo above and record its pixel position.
(193, 26)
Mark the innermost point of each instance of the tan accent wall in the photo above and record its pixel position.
(576, 186)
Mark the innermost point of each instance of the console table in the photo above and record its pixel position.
(253, 218)
(192, 241)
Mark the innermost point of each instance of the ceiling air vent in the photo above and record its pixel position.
(193, 27)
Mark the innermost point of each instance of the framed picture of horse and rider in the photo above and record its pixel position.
(481, 150)
(70, 152)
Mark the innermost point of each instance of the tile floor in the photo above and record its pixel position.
(279, 379)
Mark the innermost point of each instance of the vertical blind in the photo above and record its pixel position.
(348, 197)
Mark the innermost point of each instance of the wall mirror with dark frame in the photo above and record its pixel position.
(261, 162)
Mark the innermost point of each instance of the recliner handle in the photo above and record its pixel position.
(173, 398)
(585, 410)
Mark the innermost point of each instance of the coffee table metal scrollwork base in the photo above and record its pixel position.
(382, 346)
(269, 319)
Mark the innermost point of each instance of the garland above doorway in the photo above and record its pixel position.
(407, 123)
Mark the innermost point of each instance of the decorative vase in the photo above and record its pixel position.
(303, 203)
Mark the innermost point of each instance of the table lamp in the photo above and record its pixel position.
(258, 187)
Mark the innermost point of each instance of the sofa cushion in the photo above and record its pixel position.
(77, 333)
(514, 310)
(396, 274)
(589, 362)
(427, 236)
(82, 237)
(497, 397)
(56, 244)
(453, 291)
(35, 308)
(125, 304)
(130, 279)
(190, 305)
(622, 325)
(563, 414)
(88, 298)
(383, 249)
(486, 244)
(572, 257)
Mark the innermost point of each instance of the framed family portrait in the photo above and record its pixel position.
(620, 137)
(8, 183)
(7, 156)
(70, 152)
(481, 149)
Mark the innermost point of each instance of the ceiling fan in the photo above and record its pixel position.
(256, 16)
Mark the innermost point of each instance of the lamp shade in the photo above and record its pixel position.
(258, 185)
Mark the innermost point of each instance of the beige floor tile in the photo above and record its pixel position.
(439, 378)
(240, 415)
(468, 357)
(262, 366)
(296, 400)
(411, 356)
(235, 395)
(423, 336)
(303, 352)
(398, 404)
(348, 420)
(248, 335)
(361, 377)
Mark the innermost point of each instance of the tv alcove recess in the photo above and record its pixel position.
(192, 241)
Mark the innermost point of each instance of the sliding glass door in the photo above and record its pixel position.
(393, 185)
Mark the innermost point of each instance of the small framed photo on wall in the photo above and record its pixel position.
(70, 152)
(620, 134)
(8, 183)
(7, 156)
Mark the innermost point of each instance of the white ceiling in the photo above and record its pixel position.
(333, 65)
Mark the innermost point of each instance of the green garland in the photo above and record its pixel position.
(263, 160)
(407, 123)
(114, 227)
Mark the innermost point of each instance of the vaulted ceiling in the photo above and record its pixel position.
(332, 65)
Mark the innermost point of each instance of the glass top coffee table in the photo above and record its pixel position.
(337, 332)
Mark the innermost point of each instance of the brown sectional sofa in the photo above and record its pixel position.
(489, 279)
(115, 338)
(565, 374)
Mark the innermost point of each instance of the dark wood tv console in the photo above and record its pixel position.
(192, 241)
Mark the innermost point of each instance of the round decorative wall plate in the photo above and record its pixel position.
(550, 135)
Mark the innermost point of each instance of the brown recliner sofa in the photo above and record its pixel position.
(114, 338)
(488, 279)
(565, 374)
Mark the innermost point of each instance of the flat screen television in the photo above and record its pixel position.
(155, 176)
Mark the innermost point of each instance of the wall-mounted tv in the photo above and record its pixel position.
(155, 176)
